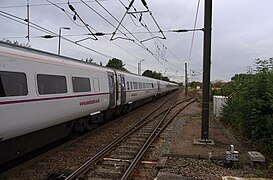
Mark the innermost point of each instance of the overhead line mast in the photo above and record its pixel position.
(206, 71)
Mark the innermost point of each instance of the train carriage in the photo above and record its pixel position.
(52, 91)
(44, 97)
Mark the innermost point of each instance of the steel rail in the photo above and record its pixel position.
(151, 139)
(85, 167)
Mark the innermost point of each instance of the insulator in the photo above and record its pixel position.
(71, 7)
(144, 3)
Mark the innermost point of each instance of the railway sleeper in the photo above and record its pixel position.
(129, 147)
(124, 151)
(106, 172)
(113, 163)
(120, 156)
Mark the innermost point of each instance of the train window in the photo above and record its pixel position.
(81, 84)
(111, 81)
(128, 85)
(135, 85)
(13, 84)
(140, 85)
(152, 85)
(144, 85)
(122, 81)
(51, 84)
(131, 84)
(96, 84)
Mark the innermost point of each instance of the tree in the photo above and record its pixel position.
(165, 78)
(148, 73)
(116, 64)
(154, 74)
(194, 84)
(90, 60)
(251, 109)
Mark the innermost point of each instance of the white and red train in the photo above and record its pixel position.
(44, 97)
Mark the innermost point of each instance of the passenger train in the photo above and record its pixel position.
(45, 97)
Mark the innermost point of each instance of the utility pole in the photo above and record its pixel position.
(28, 36)
(206, 70)
(59, 44)
(139, 66)
(138, 71)
(186, 79)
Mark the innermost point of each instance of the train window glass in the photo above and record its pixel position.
(13, 84)
(144, 85)
(51, 84)
(122, 80)
(140, 85)
(131, 84)
(135, 85)
(152, 85)
(128, 85)
(96, 84)
(111, 81)
(81, 84)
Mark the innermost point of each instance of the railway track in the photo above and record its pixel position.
(57, 162)
(120, 157)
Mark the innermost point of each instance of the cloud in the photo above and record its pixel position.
(241, 32)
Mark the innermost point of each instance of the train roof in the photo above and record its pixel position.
(44, 53)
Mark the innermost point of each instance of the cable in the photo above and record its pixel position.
(142, 46)
(67, 13)
(155, 37)
(103, 33)
(85, 24)
(195, 21)
(45, 4)
(48, 31)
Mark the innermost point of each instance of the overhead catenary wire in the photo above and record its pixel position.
(109, 33)
(120, 24)
(140, 45)
(37, 27)
(131, 5)
(85, 24)
(193, 33)
(98, 32)
(95, 30)
(161, 53)
(154, 37)
(45, 4)
(66, 13)
(101, 33)
(160, 31)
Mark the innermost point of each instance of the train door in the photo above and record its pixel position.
(111, 82)
(123, 89)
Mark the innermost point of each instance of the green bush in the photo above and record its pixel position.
(251, 109)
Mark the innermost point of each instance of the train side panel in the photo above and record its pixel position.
(139, 87)
(37, 110)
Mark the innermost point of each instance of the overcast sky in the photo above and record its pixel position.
(241, 32)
